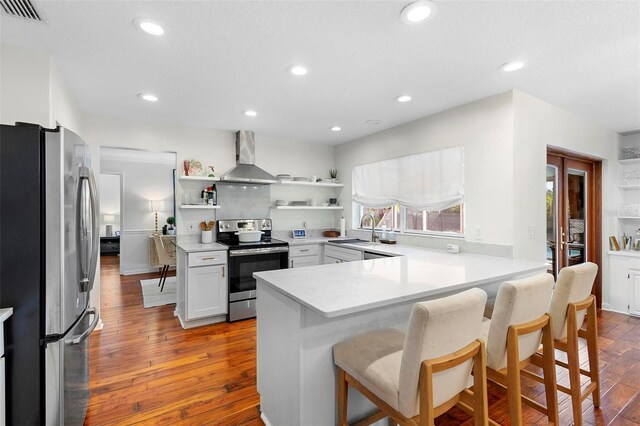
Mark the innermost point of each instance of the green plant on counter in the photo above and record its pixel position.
(171, 221)
(333, 173)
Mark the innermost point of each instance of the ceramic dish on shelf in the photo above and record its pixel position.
(326, 180)
(301, 179)
(282, 203)
(325, 204)
(298, 203)
(284, 177)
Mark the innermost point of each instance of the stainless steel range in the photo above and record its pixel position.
(246, 258)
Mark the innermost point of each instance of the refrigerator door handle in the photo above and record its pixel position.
(79, 339)
(88, 239)
(95, 246)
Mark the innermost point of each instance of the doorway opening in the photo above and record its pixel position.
(110, 213)
(574, 212)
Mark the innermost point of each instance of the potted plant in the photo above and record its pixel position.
(333, 173)
(171, 230)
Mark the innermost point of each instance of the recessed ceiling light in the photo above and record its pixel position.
(372, 122)
(512, 66)
(148, 97)
(336, 128)
(148, 26)
(403, 98)
(417, 12)
(298, 70)
(250, 113)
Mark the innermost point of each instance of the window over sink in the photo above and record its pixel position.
(421, 193)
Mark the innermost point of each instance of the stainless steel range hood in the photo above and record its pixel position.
(245, 170)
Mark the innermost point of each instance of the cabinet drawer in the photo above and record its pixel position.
(306, 250)
(634, 264)
(348, 255)
(205, 258)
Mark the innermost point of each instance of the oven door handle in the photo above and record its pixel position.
(251, 252)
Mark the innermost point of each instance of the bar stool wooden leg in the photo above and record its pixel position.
(514, 390)
(480, 408)
(574, 365)
(549, 371)
(592, 349)
(342, 388)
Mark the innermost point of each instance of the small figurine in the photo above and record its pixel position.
(210, 172)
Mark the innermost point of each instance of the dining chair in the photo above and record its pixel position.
(513, 335)
(164, 259)
(571, 305)
(416, 377)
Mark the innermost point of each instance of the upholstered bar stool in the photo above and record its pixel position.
(165, 260)
(571, 303)
(416, 377)
(513, 335)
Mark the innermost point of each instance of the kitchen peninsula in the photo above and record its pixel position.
(304, 312)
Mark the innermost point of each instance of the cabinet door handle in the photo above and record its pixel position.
(304, 250)
(562, 242)
(291, 263)
(209, 258)
(223, 272)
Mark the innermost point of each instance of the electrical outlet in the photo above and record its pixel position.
(478, 235)
(189, 226)
(532, 232)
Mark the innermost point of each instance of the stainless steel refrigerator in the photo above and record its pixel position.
(48, 254)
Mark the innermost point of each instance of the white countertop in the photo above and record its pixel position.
(196, 247)
(5, 313)
(625, 253)
(344, 288)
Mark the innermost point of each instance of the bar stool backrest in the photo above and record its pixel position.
(437, 328)
(574, 285)
(517, 302)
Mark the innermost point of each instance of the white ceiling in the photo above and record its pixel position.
(217, 59)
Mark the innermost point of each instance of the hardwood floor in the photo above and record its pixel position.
(145, 369)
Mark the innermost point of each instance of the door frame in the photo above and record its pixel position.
(594, 244)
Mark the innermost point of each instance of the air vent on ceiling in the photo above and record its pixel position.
(22, 9)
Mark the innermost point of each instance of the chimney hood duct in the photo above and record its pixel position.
(245, 170)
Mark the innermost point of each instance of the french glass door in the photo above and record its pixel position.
(570, 203)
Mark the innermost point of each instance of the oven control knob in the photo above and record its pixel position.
(226, 226)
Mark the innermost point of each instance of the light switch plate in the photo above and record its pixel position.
(453, 248)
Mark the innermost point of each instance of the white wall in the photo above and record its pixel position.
(484, 128)
(537, 125)
(24, 86)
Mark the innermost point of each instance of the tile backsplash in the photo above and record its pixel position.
(240, 201)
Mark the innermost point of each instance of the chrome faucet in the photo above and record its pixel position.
(374, 237)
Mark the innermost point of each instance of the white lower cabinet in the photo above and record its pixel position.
(333, 254)
(206, 286)
(206, 291)
(304, 255)
(624, 282)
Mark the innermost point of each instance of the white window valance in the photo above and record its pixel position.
(429, 181)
